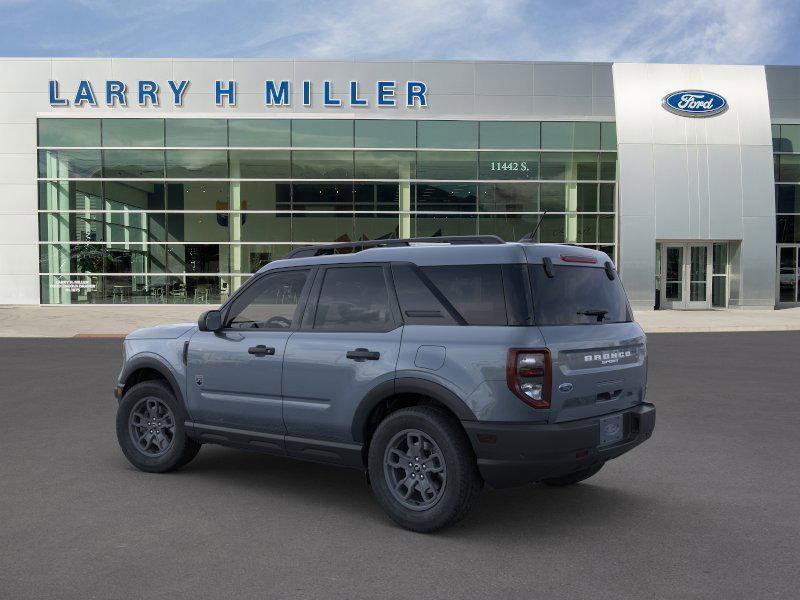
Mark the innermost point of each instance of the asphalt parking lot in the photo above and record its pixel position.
(708, 508)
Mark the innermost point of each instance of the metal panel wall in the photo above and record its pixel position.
(696, 178)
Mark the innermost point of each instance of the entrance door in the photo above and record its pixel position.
(788, 275)
(686, 275)
(672, 264)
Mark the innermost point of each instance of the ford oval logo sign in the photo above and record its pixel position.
(695, 103)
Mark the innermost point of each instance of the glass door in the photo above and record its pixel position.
(672, 265)
(686, 275)
(698, 270)
(788, 275)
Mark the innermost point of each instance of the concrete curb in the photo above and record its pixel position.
(115, 321)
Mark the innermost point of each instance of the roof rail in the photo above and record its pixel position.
(351, 247)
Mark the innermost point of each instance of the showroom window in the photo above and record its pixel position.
(786, 149)
(184, 210)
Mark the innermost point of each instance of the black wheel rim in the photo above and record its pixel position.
(152, 427)
(415, 471)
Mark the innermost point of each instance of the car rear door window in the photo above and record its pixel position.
(354, 299)
(270, 303)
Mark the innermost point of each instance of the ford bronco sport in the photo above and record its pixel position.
(435, 365)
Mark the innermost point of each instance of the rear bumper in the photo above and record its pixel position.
(524, 453)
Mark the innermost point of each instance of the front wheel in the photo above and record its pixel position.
(150, 428)
(422, 469)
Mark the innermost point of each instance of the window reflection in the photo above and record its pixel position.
(260, 164)
(446, 197)
(197, 164)
(322, 133)
(133, 132)
(447, 165)
(503, 134)
(317, 164)
(69, 132)
(509, 227)
(446, 224)
(132, 236)
(125, 164)
(447, 134)
(196, 132)
(256, 133)
(509, 197)
(63, 164)
(385, 165)
(385, 133)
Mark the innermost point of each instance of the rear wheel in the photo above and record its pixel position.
(422, 469)
(575, 477)
(150, 428)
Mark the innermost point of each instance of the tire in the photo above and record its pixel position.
(575, 477)
(169, 448)
(453, 484)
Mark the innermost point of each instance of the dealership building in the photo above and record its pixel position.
(151, 181)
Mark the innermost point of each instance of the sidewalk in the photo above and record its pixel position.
(117, 321)
(674, 321)
(101, 321)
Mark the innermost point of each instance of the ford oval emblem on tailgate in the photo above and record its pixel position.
(565, 387)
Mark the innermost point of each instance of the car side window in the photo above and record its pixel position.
(270, 303)
(476, 291)
(417, 302)
(353, 299)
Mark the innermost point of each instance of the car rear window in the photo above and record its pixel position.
(577, 296)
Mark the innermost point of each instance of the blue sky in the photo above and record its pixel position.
(688, 31)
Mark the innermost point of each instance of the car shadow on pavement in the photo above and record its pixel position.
(532, 509)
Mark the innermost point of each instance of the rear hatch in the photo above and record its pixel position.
(598, 353)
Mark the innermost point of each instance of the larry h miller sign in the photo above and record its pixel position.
(276, 93)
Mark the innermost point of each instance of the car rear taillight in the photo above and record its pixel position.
(528, 376)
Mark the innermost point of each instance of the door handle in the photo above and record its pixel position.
(363, 354)
(261, 350)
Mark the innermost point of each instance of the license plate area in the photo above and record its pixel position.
(611, 430)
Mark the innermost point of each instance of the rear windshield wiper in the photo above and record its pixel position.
(600, 314)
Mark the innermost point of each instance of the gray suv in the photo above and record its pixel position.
(435, 365)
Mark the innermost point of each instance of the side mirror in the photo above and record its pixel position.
(211, 320)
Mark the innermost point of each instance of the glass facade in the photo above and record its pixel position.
(184, 210)
(786, 152)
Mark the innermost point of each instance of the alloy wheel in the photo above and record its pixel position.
(152, 427)
(415, 470)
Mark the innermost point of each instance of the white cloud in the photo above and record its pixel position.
(735, 31)
(714, 31)
(410, 29)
